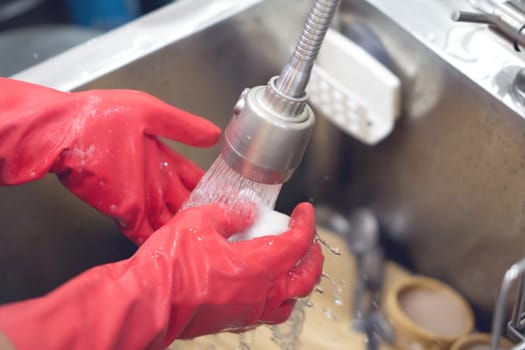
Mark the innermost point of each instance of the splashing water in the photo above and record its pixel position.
(334, 250)
(329, 314)
(337, 286)
(245, 340)
(319, 289)
(223, 185)
(287, 334)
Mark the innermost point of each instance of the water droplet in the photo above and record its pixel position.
(113, 208)
(431, 37)
(164, 164)
(337, 300)
(334, 250)
(287, 335)
(319, 289)
(101, 183)
(35, 55)
(329, 315)
(327, 276)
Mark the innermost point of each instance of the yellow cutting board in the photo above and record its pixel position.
(327, 324)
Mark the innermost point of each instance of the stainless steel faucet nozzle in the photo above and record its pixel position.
(266, 139)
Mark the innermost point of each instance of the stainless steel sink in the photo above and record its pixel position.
(448, 185)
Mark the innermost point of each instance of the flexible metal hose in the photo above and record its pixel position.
(296, 73)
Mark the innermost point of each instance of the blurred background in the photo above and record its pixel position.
(34, 30)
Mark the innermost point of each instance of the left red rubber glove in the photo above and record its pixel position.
(186, 280)
(104, 147)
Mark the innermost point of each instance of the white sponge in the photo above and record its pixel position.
(268, 223)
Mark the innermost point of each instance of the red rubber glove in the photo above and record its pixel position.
(186, 280)
(104, 148)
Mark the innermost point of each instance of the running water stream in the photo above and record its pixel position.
(222, 185)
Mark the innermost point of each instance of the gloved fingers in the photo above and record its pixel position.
(303, 219)
(279, 254)
(165, 187)
(303, 277)
(214, 218)
(229, 221)
(155, 206)
(179, 125)
(298, 283)
(279, 313)
(139, 233)
(188, 172)
(175, 192)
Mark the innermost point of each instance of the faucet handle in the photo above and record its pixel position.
(506, 18)
(470, 17)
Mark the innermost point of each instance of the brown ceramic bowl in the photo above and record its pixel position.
(427, 314)
(479, 341)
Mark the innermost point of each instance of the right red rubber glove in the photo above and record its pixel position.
(186, 280)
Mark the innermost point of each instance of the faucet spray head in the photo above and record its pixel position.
(268, 134)
(266, 142)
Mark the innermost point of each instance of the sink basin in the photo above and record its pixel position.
(447, 186)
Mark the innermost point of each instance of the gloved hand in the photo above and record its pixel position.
(186, 280)
(104, 148)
